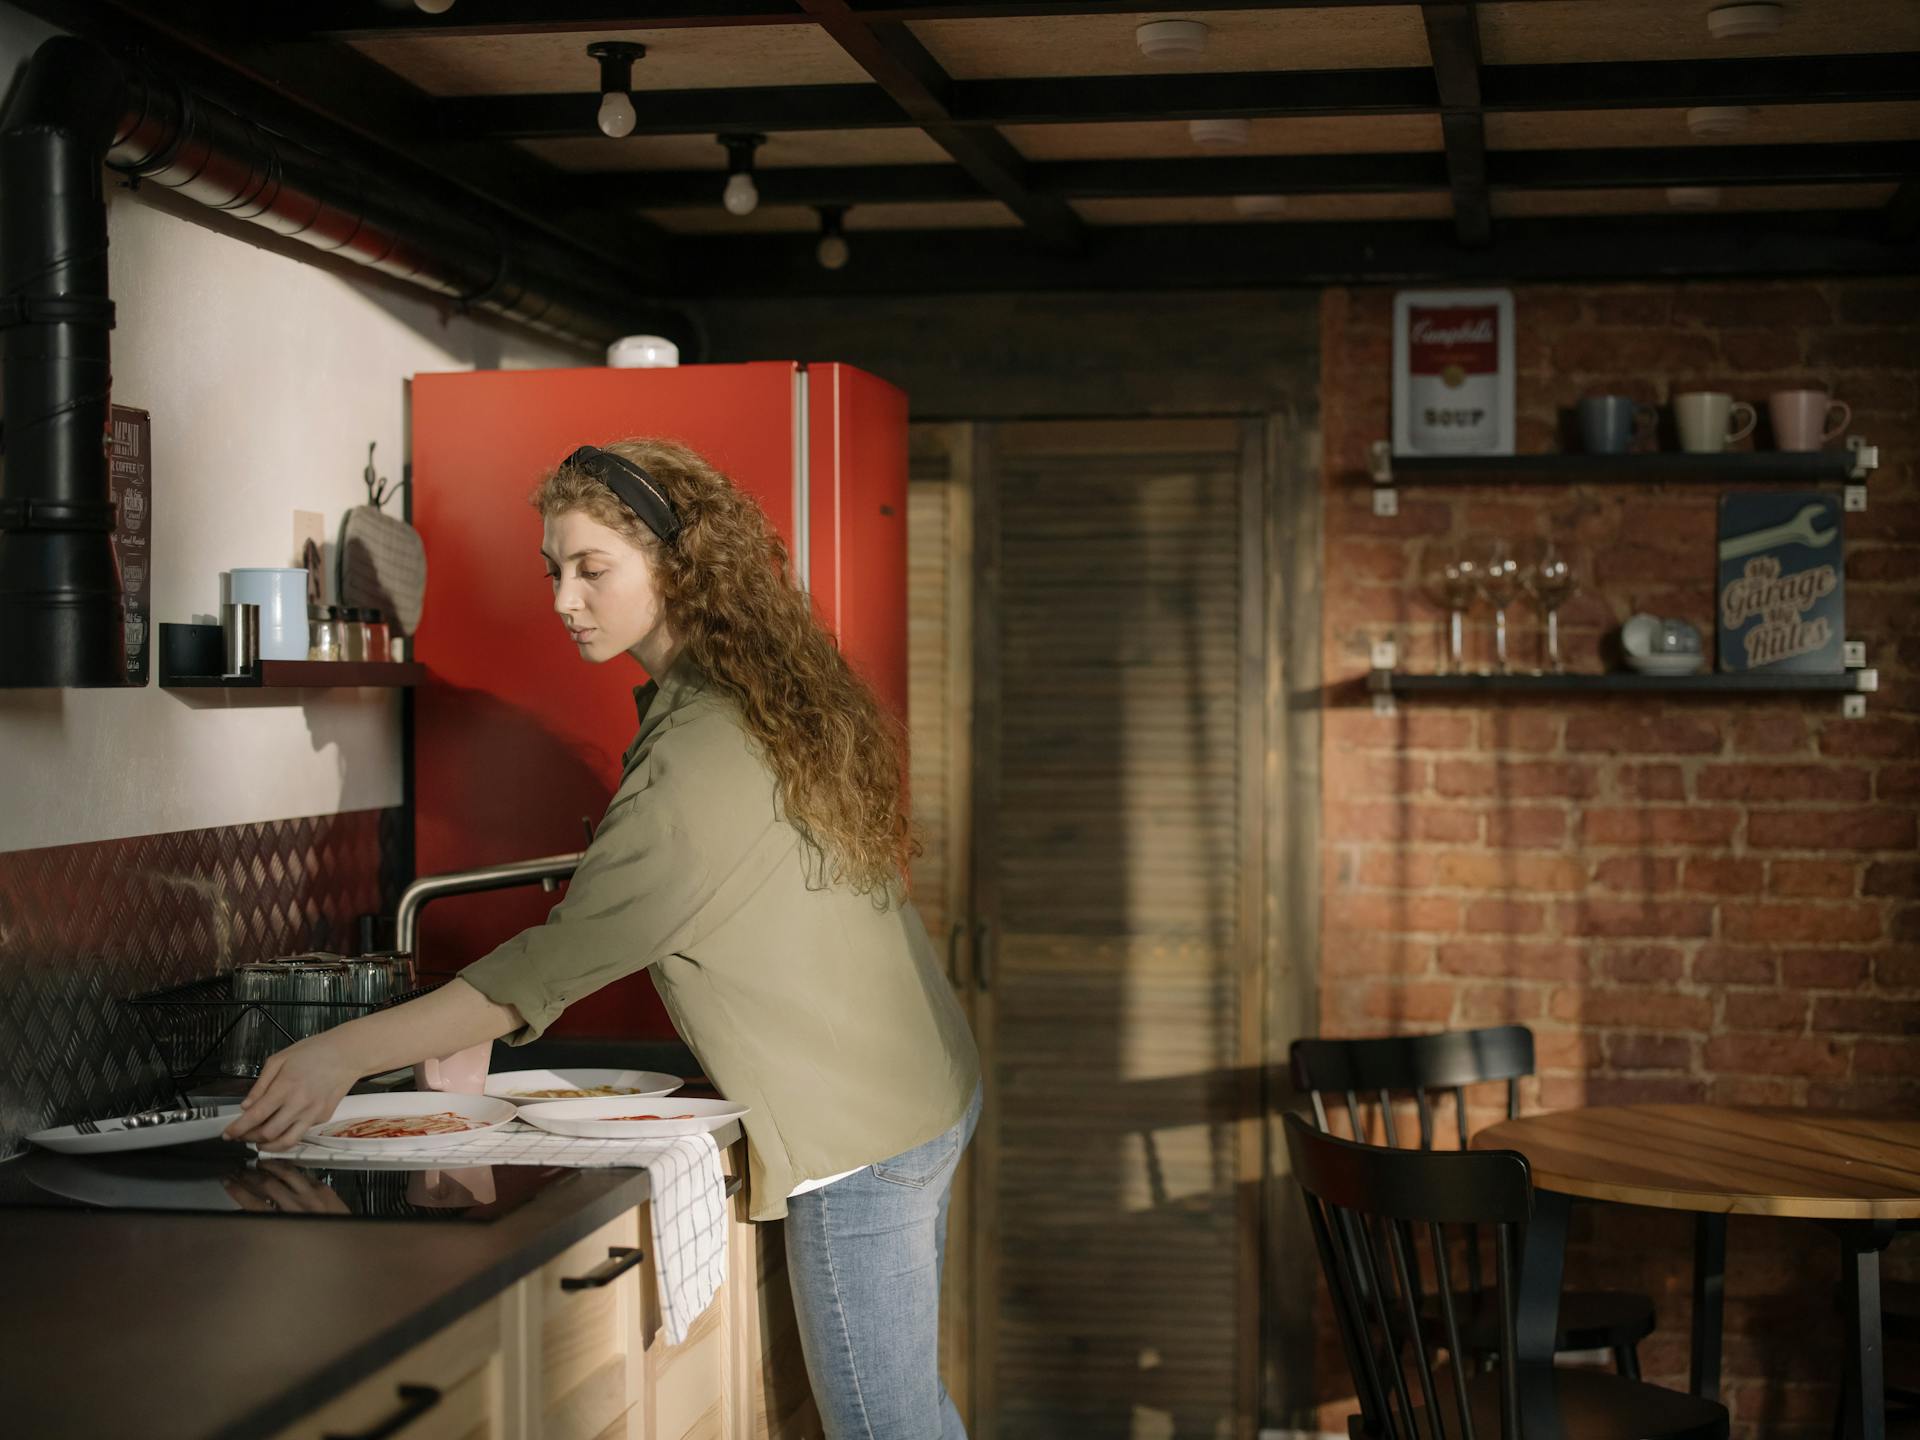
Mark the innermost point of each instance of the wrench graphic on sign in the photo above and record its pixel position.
(1799, 528)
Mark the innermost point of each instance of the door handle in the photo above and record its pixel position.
(983, 955)
(415, 1401)
(953, 953)
(620, 1259)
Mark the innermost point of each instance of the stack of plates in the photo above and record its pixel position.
(1666, 664)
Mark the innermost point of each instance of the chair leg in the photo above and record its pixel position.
(1626, 1359)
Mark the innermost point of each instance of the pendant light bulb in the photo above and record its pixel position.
(833, 252)
(741, 196)
(433, 7)
(617, 117)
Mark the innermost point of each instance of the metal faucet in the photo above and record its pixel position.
(547, 873)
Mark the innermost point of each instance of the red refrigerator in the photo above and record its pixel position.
(515, 738)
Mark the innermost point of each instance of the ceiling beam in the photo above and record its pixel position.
(1858, 162)
(901, 66)
(1902, 216)
(1453, 40)
(1177, 257)
(1070, 100)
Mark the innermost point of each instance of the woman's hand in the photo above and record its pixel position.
(297, 1089)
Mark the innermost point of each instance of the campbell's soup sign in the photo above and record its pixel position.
(1454, 386)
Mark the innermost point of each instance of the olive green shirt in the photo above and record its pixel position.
(826, 1014)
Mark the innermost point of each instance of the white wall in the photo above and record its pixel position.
(266, 378)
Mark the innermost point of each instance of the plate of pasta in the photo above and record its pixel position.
(536, 1087)
(408, 1120)
(623, 1117)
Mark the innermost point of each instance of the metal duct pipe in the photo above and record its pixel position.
(61, 621)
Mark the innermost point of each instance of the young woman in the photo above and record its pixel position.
(753, 858)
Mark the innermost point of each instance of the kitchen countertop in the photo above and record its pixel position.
(227, 1327)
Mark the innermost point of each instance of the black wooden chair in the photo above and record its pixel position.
(1371, 1206)
(1375, 1072)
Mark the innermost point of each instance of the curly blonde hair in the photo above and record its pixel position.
(838, 757)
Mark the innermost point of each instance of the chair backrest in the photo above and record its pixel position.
(1366, 1204)
(1372, 1071)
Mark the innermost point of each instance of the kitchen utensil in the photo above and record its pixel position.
(1800, 418)
(148, 1130)
(383, 564)
(488, 1113)
(514, 1084)
(1705, 421)
(1800, 528)
(598, 1118)
(240, 637)
(281, 594)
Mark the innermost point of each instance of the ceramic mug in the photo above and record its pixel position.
(1800, 418)
(1705, 420)
(1609, 423)
(281, 594)
(462, 1073)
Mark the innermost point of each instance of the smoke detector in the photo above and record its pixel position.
(1740, 22)
(1220, 133)
(1171, 39)
(1711, 122)
(1260, 205)
(1694, 197)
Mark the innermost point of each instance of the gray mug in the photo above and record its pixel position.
(1608, 423)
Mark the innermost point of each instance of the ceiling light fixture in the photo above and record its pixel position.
(742, 196)
(1260, 204)
(617, 116)
(433, 7)
(832, 251)
(1743, 21)
(1171, 39)
(1220, 133)
(1694, 197)
(1710, 122)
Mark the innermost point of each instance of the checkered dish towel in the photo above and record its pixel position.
(688, 1206)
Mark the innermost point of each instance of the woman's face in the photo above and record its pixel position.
(604, 589)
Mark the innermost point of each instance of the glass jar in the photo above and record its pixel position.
(322, 643)
(379, 638)
(337, 623)
(356, 634)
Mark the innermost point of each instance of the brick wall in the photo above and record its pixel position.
(1686, 899)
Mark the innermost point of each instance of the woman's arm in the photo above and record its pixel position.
(300, 1085)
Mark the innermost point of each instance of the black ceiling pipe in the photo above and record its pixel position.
(61, 621)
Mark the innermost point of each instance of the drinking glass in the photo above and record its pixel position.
(1498, 581)
(1447, 578)
(1549, 580)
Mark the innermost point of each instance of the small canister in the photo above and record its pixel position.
(322, 643)
(356, 633)
(379, 638)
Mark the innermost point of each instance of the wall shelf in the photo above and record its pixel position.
(1853, 686)
(191, 657)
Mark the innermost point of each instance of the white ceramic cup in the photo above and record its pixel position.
(1807, 419)
(1705, 419)
(281, 594)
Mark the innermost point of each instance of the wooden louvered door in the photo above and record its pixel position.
(1118, 675)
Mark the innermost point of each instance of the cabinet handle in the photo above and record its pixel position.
(415, 1401)
(983, 955)
(620, 1259)
(953, 953)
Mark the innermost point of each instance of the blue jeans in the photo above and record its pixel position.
(864, 1257)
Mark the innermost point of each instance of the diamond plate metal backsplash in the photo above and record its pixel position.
(82, 927)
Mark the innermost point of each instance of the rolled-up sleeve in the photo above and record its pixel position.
(638, 892)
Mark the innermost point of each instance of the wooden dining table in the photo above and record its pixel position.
(1856, 1175)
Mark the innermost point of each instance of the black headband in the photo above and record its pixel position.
(637, 490)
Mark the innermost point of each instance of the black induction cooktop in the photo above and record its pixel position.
(218, 1178)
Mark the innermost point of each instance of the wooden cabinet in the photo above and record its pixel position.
(575, 1351)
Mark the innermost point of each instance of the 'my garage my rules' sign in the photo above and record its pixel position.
(1782, 596)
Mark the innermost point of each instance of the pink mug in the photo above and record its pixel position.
(1800, 418)
(463, 1073)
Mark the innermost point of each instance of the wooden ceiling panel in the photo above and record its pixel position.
(1767, 125)
(1221, 210)
(1515, 203)
(776, 219)
(702, 152)
(1306, 39)
(1549, 31)
(692, 59)
(1168, 139)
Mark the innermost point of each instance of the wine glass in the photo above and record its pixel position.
(1447, 578)
(1498, 581)
(1549, 580)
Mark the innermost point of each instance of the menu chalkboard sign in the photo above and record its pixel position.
(1782, 592)
(130, 487)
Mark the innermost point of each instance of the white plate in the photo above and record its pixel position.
(591, 1117)
(1667, 664)
(490, 1113)
(639, 1083)
(69, 1141)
